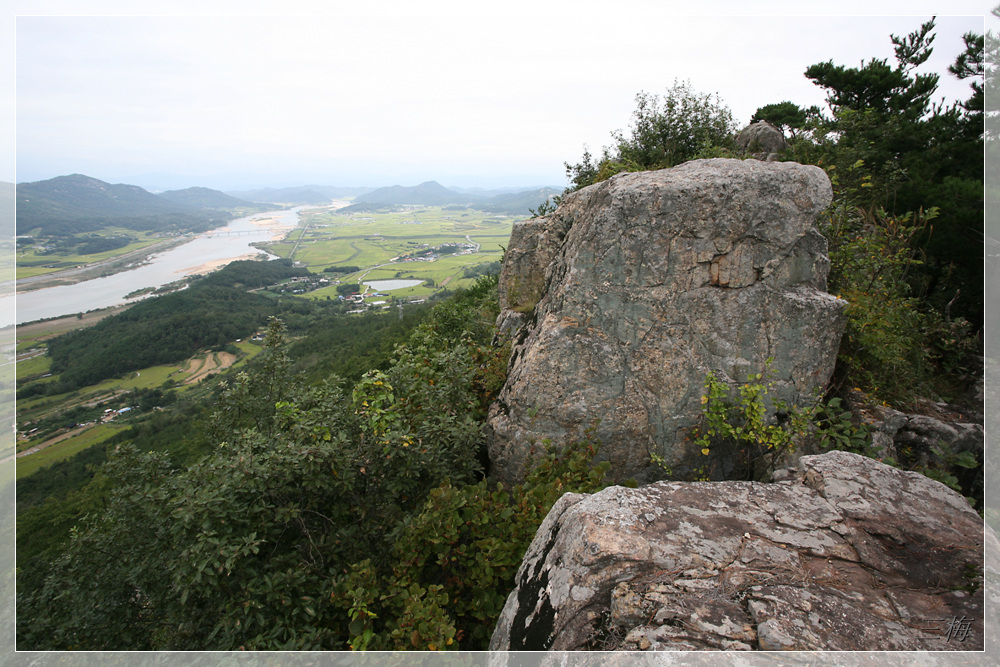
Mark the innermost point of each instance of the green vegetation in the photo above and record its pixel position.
(332, 492)
(746, 433)
(746, 427)
(682, 125)
(440, 244)
(320, 517)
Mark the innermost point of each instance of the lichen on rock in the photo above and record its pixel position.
(847, 554)
(635, 288)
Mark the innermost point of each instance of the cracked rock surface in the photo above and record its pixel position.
(845, 554)
(623, 299)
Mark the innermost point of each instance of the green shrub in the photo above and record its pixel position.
(758, 430)
(895, 346)
(454, 562)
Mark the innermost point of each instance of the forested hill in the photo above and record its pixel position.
(204, 198)
(78, 203)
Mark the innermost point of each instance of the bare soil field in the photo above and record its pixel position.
(203, 367)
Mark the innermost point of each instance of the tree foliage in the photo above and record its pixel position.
(888, 145)
(787, 116)
(665, 131)
(327, 516)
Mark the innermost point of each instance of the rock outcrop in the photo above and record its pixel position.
(844, 554)
(935, 437)
(761, 139)
(624, 299)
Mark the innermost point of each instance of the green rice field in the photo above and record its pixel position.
(386, 245)
(31, 463)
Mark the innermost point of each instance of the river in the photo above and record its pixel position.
(205, 252)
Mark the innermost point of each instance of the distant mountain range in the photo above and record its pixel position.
(432, 193)
(303, 194)
(76, 204)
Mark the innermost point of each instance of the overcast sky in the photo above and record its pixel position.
(240, 95)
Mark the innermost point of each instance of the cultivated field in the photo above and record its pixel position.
(33, 261)
(378, 243)
(39, 451)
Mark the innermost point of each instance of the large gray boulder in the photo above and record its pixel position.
(761, 138)
(624, 299)
(845, 554)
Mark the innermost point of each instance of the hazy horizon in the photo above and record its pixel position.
(144, 182)
(464, 97)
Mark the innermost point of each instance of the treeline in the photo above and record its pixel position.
(349, 347)
(172, 223)
(83, 245)
(252, 274)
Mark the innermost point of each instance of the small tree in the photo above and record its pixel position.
(665, 132)
(786, 116)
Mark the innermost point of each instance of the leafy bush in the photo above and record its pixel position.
(665, 131)
(325, 517)
(454, 563)
(750, 428)
(895, 346)
(758, 430)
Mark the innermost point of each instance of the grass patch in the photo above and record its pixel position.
(38, 365)
(32, 463)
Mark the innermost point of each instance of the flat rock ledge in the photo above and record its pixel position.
(844, 554)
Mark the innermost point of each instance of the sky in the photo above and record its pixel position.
(244, 95)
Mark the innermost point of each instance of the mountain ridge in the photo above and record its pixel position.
(516, 201)
(202, 198)
(75, 203)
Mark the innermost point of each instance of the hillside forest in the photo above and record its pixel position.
(332, 491)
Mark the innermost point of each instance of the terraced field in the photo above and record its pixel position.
(204, 366)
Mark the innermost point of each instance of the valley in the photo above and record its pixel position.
(433, 249)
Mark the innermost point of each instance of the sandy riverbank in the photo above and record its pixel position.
(208, 267)
(278, 230)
